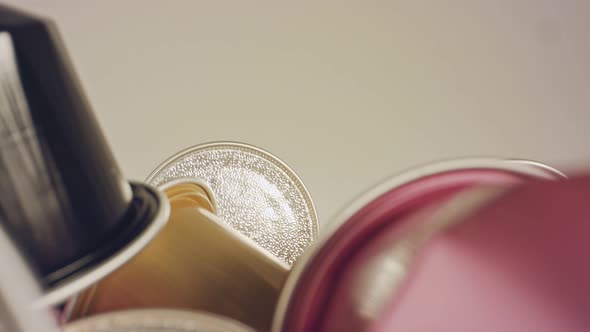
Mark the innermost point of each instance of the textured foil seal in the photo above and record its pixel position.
(156, 320)
(256, 193)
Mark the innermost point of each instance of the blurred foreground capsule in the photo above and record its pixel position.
(418, 252)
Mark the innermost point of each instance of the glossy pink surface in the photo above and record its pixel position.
(322, 300)
(521, 264)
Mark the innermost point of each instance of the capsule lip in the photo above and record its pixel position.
(77, 282)
(304, 264)
(191, 180)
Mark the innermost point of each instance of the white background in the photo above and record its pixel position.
(345, 92)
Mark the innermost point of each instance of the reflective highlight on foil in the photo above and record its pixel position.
(255, 194)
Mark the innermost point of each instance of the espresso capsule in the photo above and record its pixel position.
(196, 262)
(348, 280)
(63, 201)
(257, 194)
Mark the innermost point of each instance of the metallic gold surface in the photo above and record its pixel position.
(156, 320)
(195, 262)
(256, 193)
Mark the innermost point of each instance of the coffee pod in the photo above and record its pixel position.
(257, 194)
(156, 320)
(517, 262)
(62, 197)
(196, 262)
(349, 280)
